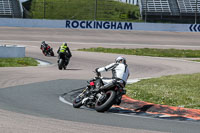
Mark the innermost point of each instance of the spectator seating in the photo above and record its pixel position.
(170, 9)
(157, 6)
(188, 6)
(5, 8)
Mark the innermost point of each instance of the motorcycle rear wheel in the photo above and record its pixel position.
(102, 106)
(52, 53)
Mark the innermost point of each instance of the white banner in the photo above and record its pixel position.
(105, 25)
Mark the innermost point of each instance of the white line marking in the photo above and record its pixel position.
(130, 44)
(42, 63)
(64, 101)
(162, 116)
(131, 81)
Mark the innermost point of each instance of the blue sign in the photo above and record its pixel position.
(74, 24)
(195, 27)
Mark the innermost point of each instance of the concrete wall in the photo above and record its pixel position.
(11, 51)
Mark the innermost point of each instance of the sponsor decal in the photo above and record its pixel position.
(74, 24)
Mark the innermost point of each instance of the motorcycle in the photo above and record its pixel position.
(99, 99)
(63, 61)
(47, 51)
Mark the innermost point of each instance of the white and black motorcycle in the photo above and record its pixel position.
(99, 99)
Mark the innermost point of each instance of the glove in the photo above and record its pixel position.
(97, 73)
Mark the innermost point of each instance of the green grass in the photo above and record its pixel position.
(177, 90)
(148, 52)
(107, 10)
(196, 60)
(18, 62)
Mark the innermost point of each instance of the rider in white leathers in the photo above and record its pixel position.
(120, 73)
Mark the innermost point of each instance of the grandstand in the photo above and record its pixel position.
(156, 6)
(189, 6)
(5, 8)
(10, 9)
(170, 9)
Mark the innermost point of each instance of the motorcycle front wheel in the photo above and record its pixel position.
(45, 53)
(107, 101)
(77, 102)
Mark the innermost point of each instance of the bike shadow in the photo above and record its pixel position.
(73, 69)
(129, 111)
(69, 96)
(120, 110)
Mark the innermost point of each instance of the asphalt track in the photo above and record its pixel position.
(31, 95)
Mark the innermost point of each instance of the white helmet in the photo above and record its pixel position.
(120, 58)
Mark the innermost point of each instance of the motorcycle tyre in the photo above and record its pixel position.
(52, 53)
(109, 102)
(45, 54)
(60, 64)
(77, 104)
(64, 67)
(65, 64)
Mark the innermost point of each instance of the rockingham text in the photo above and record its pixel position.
(99, 25)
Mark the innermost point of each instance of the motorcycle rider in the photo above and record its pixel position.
(64, 51)
(44, 45)
(120, 73)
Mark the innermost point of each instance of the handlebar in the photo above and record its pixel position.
(98, 74)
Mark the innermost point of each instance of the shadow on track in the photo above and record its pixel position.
(120, 110)
(74, 69)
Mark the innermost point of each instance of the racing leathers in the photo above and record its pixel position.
(44, 46)
(120, 73)
(64, 52)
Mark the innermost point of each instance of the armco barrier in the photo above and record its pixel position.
(11, 51)
(107, 25)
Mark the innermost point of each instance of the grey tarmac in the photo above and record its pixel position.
(81, 66)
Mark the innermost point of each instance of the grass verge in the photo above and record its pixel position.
(176, 90)
(196, 60)
(18, 62)
(148, 52)
(107, 10)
